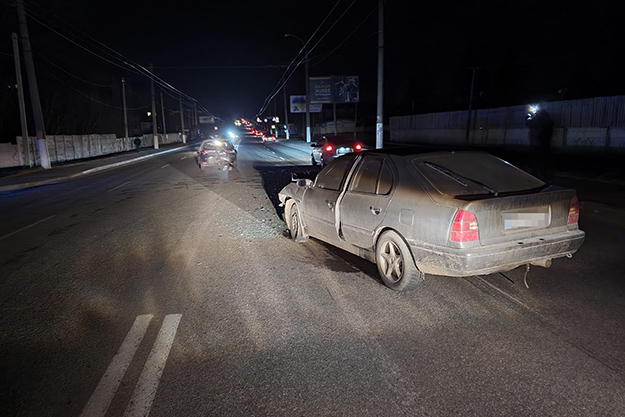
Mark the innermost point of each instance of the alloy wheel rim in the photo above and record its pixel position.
(294, 223)
(391, 262)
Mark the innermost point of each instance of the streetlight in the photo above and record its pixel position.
(308, 138)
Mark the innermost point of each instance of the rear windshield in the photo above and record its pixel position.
(216, 144)
(473, 174)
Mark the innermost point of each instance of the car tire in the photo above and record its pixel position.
(294, 223)
(314, 163)
(395, 264)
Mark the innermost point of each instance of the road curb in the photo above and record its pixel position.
(25, 185)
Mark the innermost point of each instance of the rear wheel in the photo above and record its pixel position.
(395, 264)
(294, 223)
(314, 163)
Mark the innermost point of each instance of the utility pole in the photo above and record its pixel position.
(154, 131)
(42, 145)
(308, 134)
(163, 113)
(195, 121)
(184, 137)
(286, 113)
(273, 119)
(470, 104)
(20, 99)
(125, 115)
(379, 123)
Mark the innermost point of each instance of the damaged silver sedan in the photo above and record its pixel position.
(446, 213)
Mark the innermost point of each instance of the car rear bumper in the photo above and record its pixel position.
(495, 258)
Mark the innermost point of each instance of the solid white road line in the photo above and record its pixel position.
(27, 227)
(184, 157)
(119, 186)
(166, 165)
(101, 398)
(145, 391)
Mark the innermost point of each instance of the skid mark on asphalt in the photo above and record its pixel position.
(145, 390)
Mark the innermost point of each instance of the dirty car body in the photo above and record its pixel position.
(444, 213)
(216, 152)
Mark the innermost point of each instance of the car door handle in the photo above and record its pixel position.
(330, 204)
(375, 210)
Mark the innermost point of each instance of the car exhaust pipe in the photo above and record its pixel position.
(545, 263)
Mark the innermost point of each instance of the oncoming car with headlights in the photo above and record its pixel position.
(443, 213)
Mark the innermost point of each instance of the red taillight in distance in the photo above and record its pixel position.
(464, 227)
(358, 147)
(573, 212)
(329, 148)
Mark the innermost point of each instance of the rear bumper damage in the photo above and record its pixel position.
(495, 258)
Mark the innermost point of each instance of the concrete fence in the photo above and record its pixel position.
(63, 148)
(580, 139)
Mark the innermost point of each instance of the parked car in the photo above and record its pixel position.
(216, 152)
(444, 213)
(328, 148)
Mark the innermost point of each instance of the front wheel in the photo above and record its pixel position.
(294, 223)
(395, 264)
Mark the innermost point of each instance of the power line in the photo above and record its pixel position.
(273, 94)
(93, 99)
(72, 75)
(277, 89)
(126, 61)
(327, 54)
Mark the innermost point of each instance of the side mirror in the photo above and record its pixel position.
(304, 182)
(314, 145)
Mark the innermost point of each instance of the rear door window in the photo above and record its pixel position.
(366, 177)
(333, 176)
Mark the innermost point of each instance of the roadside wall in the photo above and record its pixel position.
(596, 124)
(63, 148)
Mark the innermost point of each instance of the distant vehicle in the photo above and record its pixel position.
(216, 152)
(445, 213)
(269, 138)
(328, 148)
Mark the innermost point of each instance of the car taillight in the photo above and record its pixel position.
(464, 228)
(358, 147)
(329, 148)
(573, 211)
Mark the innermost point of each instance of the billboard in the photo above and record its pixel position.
(334, 89)
(298, 105)
(207, 119)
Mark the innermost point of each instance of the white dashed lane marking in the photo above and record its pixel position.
(119, 186)
(27, 227)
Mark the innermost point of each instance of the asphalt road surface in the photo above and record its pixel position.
(159, 288)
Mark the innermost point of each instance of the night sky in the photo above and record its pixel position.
(228, 54)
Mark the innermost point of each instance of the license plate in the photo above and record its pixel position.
(343, 151)
(528, 218)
